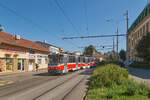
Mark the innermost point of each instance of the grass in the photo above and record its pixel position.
(111, 82)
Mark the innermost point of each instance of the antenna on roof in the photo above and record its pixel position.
(1, 28)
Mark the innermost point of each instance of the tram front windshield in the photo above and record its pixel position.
(55, 59)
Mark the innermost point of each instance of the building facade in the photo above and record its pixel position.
(138, 29)
(78, 53)
(21, 55)
(52, 48)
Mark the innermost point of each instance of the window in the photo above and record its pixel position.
(71, 59)
(83, 59)
(147, 25)
(79, 59)
(9, 63)
(144, 29)
(55, 59)
(138, 34)
(39, 61)
(46, 61)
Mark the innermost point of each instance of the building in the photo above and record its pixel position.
(52, 48)
(98, 56)
(138, 29)
(77, 53)
(19, 54)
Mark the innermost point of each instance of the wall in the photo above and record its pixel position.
(135, 36)
(17, 54)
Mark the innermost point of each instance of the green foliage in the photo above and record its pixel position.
(131, 89)
(122, 54)
(111, 82)
(143, 48)
(143, 89)
(88, 51)
(112, 56)
(108, 75)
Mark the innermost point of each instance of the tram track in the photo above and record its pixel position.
(73, 88)
(45, 88)
(54, 87)
(64, 89)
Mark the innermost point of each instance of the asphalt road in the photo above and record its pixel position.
(72, 86)
(140, 75)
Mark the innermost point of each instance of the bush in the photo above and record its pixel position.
(149, 94)
(110, 94)
(131, 89)
(143, 89)
(108, 75)
(111, 82)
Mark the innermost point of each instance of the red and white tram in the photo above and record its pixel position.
(62, 63)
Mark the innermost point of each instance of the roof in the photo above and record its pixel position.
(47, 44)
(142, 15)
(10, 39)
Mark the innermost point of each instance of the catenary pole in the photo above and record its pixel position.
(113, 44)
(127, 41)
(117, 45)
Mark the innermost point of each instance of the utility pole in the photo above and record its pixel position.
(127, 41)
(113, 44)
(117, 45)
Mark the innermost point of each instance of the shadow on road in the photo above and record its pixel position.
(87, 72)
(43, 74)
(141, 73)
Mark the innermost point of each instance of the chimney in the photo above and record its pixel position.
(17, 37)
(1, 28)
(45, 41)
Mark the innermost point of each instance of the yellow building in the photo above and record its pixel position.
(138, 29)
(18, 54)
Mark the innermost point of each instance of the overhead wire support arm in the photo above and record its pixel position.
(96, 36)
(101, 46)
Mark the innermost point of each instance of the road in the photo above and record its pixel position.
(140, 75)
(72, 86)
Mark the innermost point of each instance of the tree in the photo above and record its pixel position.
(113, 56)
(122, 54)
(143, 48)
(88, 51)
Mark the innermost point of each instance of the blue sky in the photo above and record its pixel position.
(39, 20)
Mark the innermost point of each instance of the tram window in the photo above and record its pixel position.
(53, 59)
(83, 59)
(60, 59)
(78, 59)
(88, 59)
(71, 59)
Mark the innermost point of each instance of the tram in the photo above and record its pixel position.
(63, 63)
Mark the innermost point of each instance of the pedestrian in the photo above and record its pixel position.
(37, 66)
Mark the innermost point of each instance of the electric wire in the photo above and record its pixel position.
(26, 19)
(67, 17)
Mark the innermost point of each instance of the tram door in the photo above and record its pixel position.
(86, 62)
(76, 60)
(65, 63)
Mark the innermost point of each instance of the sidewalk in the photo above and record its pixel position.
(12, 77)
(18, 72)
(8, 73)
